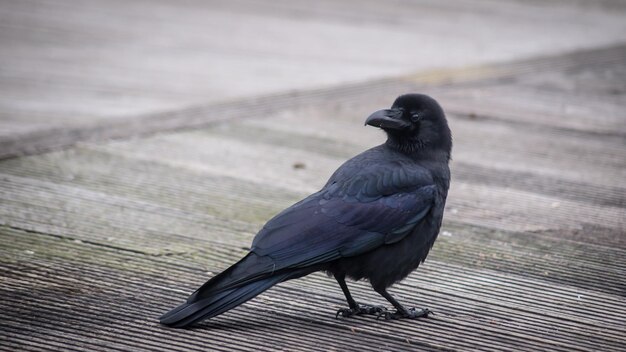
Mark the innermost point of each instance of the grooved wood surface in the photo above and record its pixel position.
(120, 220)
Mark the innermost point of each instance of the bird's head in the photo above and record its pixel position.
(415, 122)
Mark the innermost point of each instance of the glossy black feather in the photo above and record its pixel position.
(376, 218)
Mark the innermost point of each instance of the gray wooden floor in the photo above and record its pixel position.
(111, 215)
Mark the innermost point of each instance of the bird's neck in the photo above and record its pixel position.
(406, 144)
(416, 148)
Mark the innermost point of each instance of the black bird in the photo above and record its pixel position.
(376, 218)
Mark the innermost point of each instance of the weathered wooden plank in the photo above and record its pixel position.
(98, 215)
(275, 157)
(80, 257)
(512, 147)
(517, 312)
(324, 138)
(109, 220)
(521, 105)
(503, 207)
(228, 198)
(536, 256)
(98, 284)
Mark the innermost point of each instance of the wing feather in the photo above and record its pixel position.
(377, 206)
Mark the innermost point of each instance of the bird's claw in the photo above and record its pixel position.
(411, 313)
(344, 312)
(361, 310)
(367, 309)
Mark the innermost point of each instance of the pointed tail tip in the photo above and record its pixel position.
(167, 320)
(173, 317)
(212, 303)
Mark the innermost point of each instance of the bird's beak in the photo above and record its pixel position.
(390, 119)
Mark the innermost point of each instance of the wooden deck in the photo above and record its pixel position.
(106, 225)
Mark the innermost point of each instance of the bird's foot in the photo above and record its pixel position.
(411, 313)
(361, 310)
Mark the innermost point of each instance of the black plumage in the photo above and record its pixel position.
(376, 218)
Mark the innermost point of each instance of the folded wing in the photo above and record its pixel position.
(376, 206)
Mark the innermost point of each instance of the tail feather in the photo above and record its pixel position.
(241, 282)
(193, 311)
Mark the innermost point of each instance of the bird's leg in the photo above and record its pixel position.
(354, 308)
(401, 312)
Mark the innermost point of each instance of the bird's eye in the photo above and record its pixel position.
(415, 117)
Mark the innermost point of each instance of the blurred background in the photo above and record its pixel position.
(68, 63)
(144, 143)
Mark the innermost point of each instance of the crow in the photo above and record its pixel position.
(376, 218)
